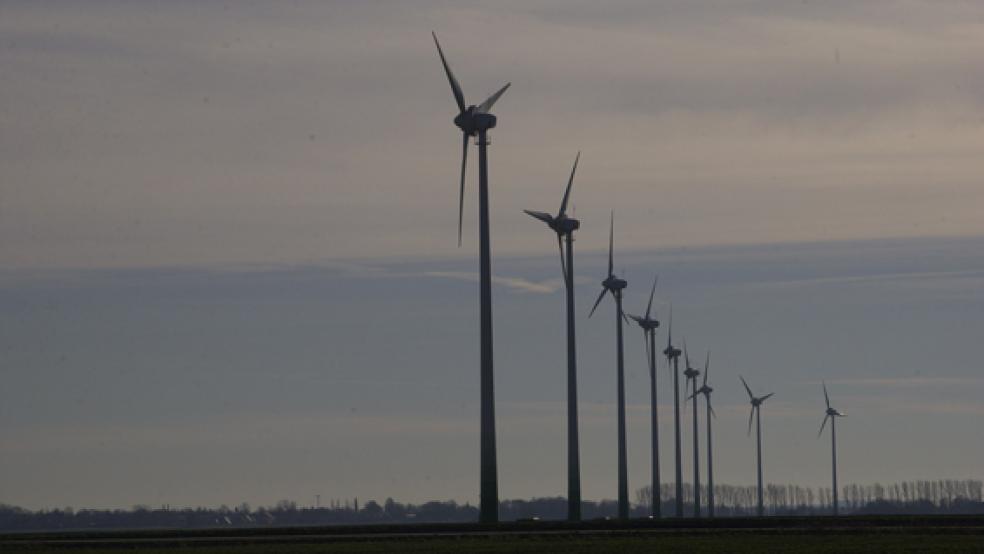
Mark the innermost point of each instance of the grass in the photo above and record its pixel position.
(757, 542)
(861, 535)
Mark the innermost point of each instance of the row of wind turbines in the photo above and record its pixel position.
(475, 121)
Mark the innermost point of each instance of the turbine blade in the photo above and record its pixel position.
(563, 262)
(600, 296)
(750, 395)
(669, 331)
(751, 414)
(461, 187)
(822, 425)
(766, 397)
(707, 364)
(611, 246)
(686, 356)
(652, 292)
(624, 317)
(542, 216)
(484, 107)
(649, 357)
(645, 339)
(825, 397)
(567, 193)
(713, 414)
(459, 96)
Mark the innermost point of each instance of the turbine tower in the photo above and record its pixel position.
(757, 413)
(672, 354)
(649, 325)
(564, 227)
(706, 391)
(832, 415)
(614, 285)
(691, 374)
(475, 121)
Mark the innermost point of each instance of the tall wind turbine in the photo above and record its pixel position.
(672, 354)
(649, 325)
(832, 415)
(691, 374)
(757, 413)
(475, 121)
(614, 285)
(564, 227)
(706, 391)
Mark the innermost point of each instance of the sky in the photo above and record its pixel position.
(229, 266)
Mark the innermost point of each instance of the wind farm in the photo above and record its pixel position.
(475, 121)
(614, 286)
(564, 227)
(649, 324)
(234, 314)
(691, 374)
(706, 391)
(672, 354)
(756, 414)
(832, 415)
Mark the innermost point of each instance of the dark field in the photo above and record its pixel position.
(846, 534)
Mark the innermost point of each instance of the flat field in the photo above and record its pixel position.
(846, 534)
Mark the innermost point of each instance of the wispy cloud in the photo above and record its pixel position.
(951, 408)
(915, 277)
(224, 430)
(907, 381)
(519, 284)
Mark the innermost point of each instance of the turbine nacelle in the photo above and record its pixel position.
(755, 400)
(471, 122)
(564, 225)
(691, 373)
(672, 352)
(614, 284)
(834, 413)
(560, 223)
(647, 324)
(758, 401)
(611, 283)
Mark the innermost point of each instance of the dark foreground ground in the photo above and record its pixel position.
(817, 534)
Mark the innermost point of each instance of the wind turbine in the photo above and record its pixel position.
(672, 354)
(649, 325)
(476, 121)
(614, 285)
(564, 227)
(706, 391)
(832, 415)
(691, 374)
(757, 413)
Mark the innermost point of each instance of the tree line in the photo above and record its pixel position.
(943, 496)
(923, 496)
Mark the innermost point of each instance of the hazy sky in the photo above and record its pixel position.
(228, 262)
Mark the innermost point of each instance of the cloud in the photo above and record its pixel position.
(906, 382)
(548, 286)
(927, 278)
(222, 430)
(197, 133)
(949, 408)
